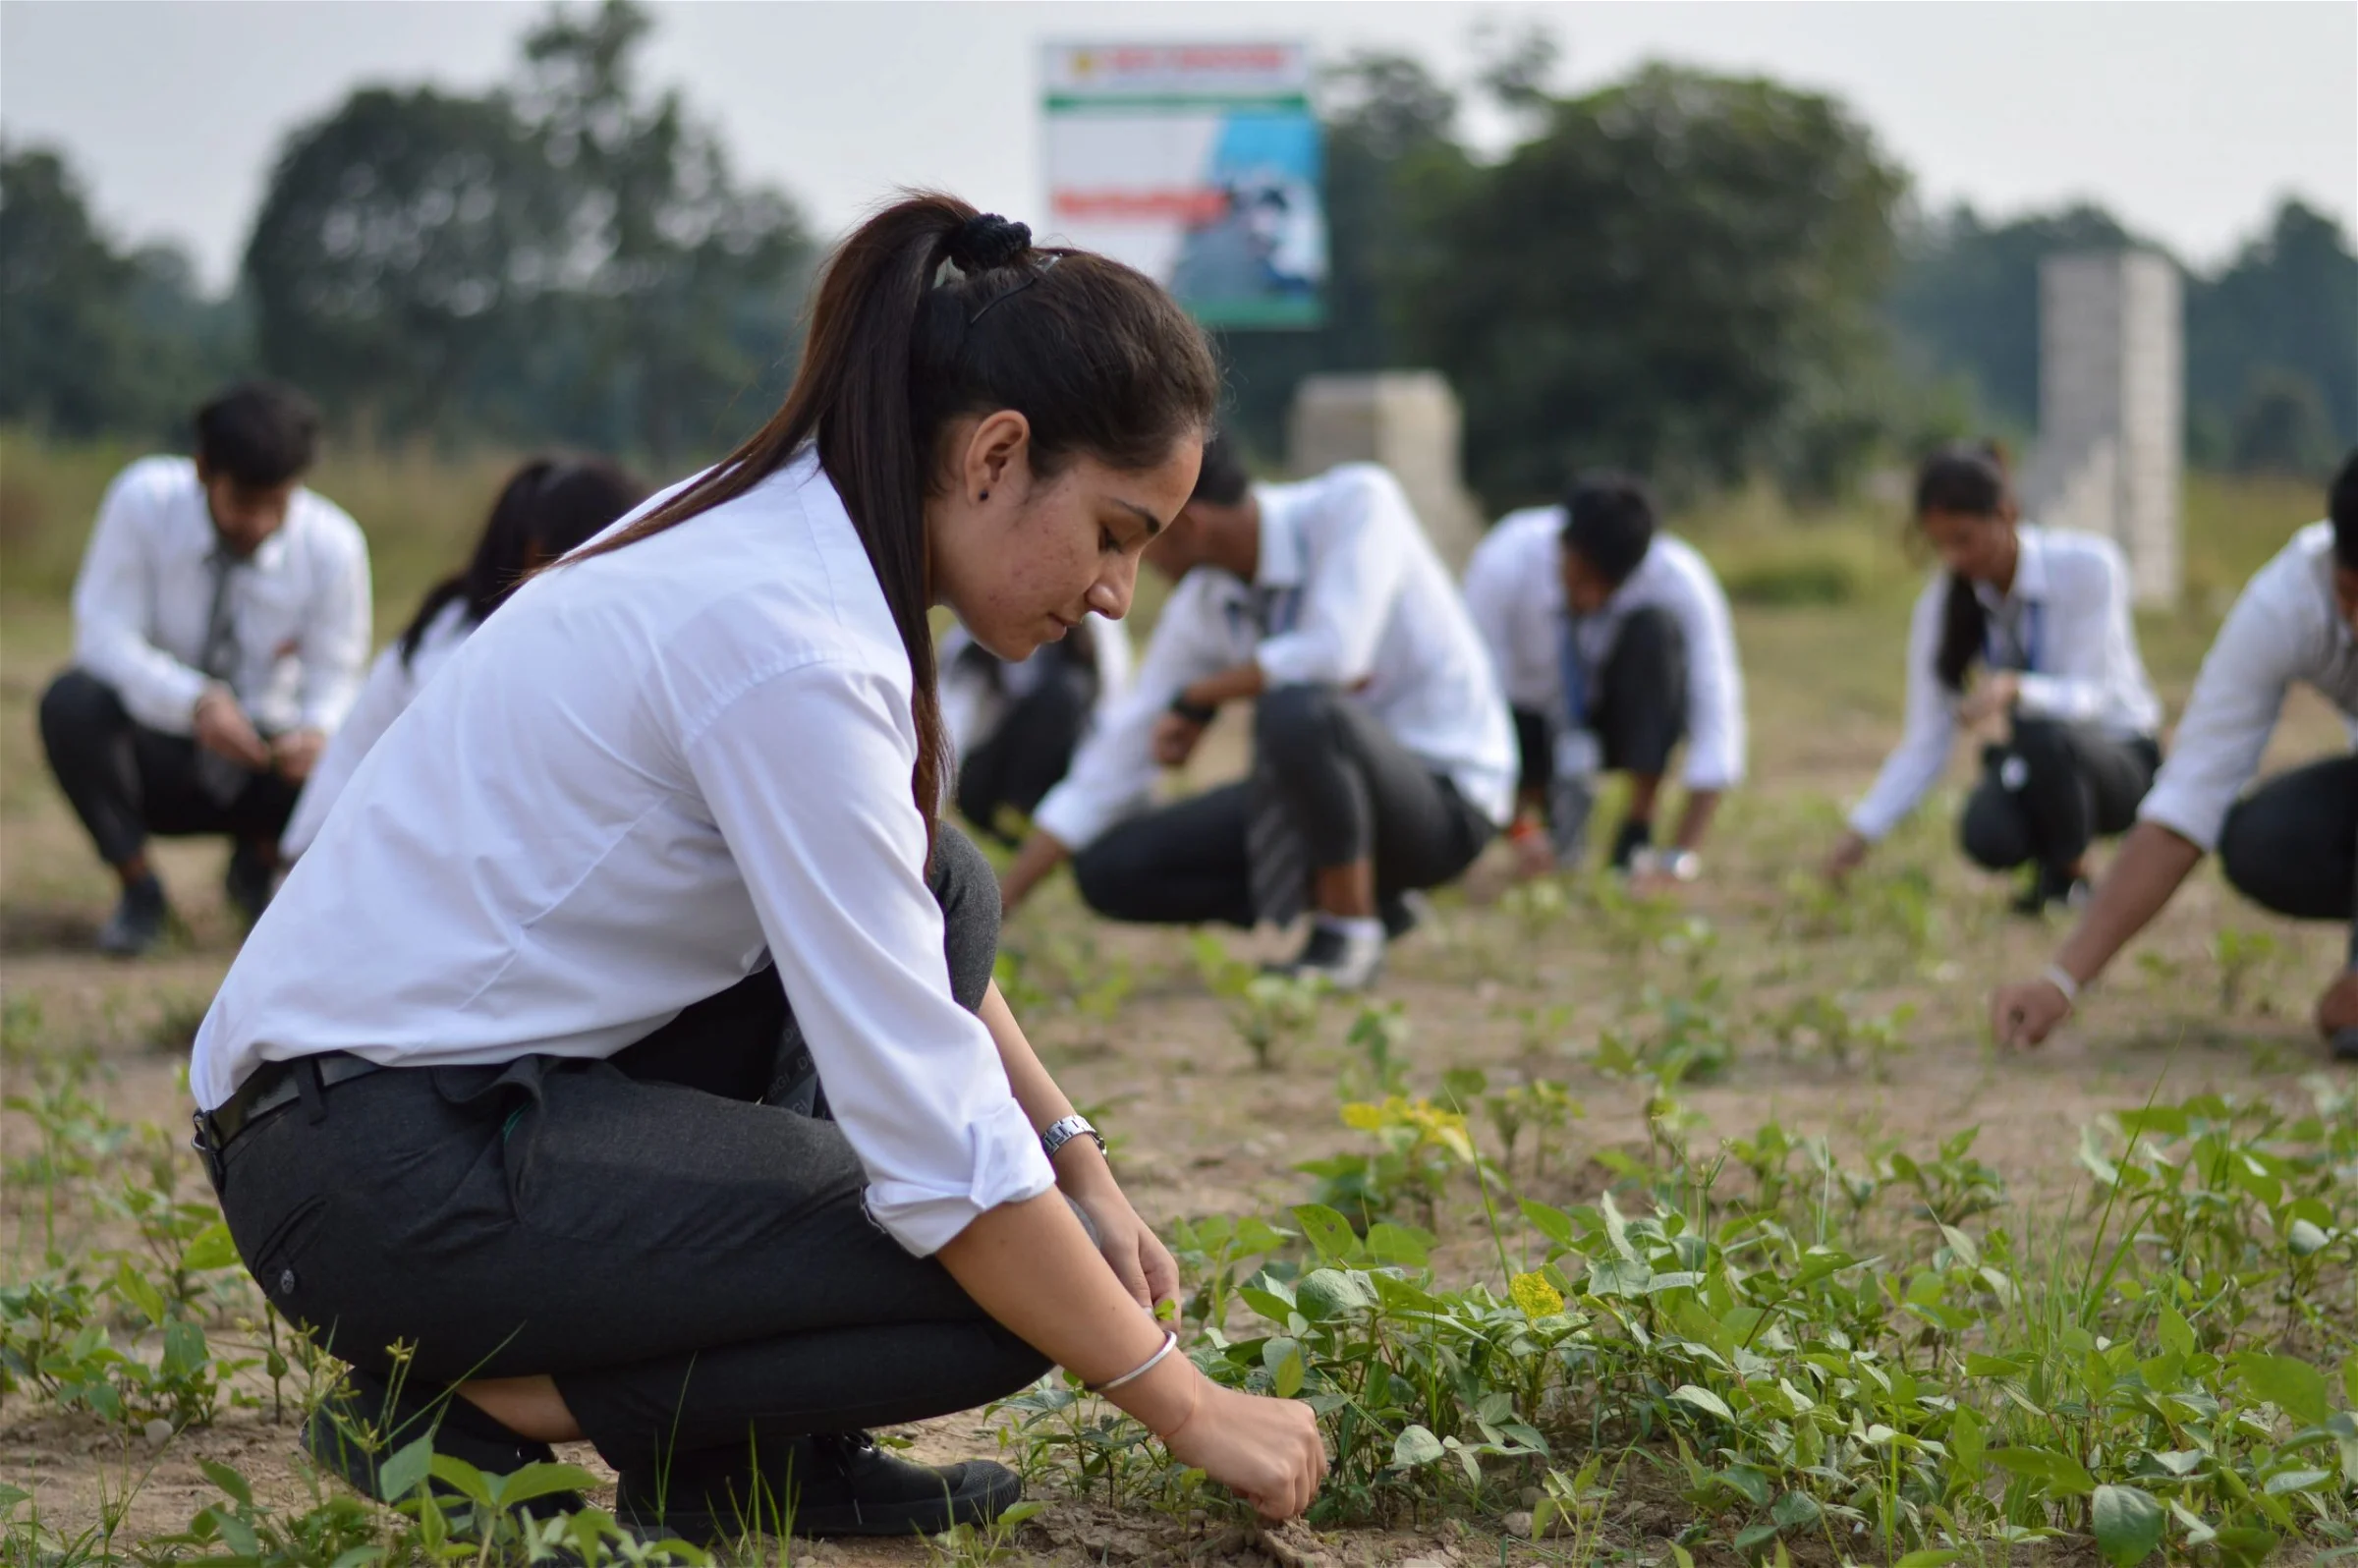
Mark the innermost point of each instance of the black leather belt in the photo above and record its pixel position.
(271, 1086)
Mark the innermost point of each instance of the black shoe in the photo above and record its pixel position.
(1632, 837)
(137, 922)
(249, 881)
(367, 1422)
(2051, 888)
(2344, 1043)
(835, 1483)
(1402, 912)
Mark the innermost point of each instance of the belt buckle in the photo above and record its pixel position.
(207, 1146)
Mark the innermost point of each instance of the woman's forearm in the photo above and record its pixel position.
(1031, 1267)
(1079, 1164)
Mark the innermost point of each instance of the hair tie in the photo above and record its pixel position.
(986, 241)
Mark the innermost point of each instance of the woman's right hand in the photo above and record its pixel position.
(1849, 851)
(1266, 1450)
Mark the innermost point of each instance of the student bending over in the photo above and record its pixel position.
(1382, 756)
(548, 507)
(2045, 612)
(1614, 643)
(2292, 845)
(509, 1074)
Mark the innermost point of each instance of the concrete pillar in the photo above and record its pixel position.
(2111, 409)
(1409, 422)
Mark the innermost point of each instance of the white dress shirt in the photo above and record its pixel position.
(2285, 627)
(1378, 616)
(298, 605)
(647, 775)
(1515, 591)
(393, 683)
(2067, 616)
(974, 706)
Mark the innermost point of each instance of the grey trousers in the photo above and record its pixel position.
(694, 1265)
(2292, 845)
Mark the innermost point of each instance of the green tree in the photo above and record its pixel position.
(566, 259)
(94, 341)
(1668, 276)
(2278, 327)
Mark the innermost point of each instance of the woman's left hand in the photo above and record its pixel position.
(1994, 695)
(1140, 1260)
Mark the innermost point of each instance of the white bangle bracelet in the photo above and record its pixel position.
(1170, 1342)
(2059, 977)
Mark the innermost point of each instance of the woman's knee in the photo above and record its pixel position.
(76, 706)
(967, 891)
(1991, 831)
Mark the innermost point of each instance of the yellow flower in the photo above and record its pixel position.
(1535, 1294)
(1363, 1116)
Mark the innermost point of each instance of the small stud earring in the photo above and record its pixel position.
(984, 496)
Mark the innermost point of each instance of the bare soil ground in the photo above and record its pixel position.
(1201, 1131)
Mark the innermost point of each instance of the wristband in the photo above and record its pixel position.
(2059, 977)
(1170, 1342)
(1193, 713)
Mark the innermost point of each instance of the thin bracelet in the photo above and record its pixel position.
(1170, 1342)
(2059, 977)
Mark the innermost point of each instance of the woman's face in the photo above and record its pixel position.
(1021, 559)
(1976, 546)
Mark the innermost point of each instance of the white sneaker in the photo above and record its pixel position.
(1344, 960)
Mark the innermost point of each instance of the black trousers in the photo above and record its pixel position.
(2073, 783)
(1353, 791)
(694, 1266)
(126, 782)
(1638, 706)
(1030, 749)
(2292, 845)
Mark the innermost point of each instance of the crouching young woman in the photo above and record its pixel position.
(625, 1050)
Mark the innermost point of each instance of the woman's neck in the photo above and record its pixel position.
(2003, 582)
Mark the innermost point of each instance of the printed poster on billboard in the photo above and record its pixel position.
(1201, 165)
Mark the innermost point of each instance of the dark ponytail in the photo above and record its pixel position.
(1969, 479)
(548, 507)
(1098, 358)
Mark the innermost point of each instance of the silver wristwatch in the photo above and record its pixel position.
(1064, 1130)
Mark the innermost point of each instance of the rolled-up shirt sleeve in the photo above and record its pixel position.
(111, 632)
(834, 867)
(1916, 762)
(2237, 701)
(1353, 580)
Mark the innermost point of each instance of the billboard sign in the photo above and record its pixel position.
(1197, 164)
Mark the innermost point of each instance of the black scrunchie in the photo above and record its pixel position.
(986, 241)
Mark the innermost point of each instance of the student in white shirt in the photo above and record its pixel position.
(514, 1070)
(1614, 643)
(220, 625)
(546, 508)
(2292, 845)
(2046, 613)
(1014, 726)
(1384, 757)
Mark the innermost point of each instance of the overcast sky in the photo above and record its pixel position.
(2189, 121)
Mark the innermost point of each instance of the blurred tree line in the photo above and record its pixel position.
(1704, 277)
(566, 259)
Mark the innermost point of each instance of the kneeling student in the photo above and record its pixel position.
(2292, 845)
(1383, 755)
(654, 1090)
(1014, 727)
(2045, 612)
(1613, 641)
(546, 508)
